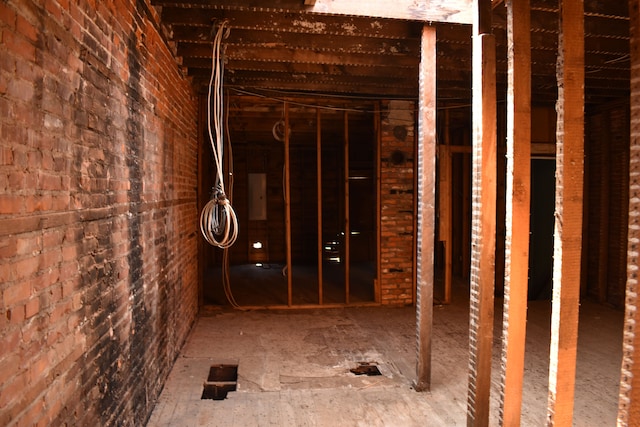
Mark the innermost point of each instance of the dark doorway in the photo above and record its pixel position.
(543, 184)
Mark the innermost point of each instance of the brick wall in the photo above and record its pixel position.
(397, 182)
(97, 212)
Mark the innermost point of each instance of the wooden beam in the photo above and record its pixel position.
(445, 231)
(319, 198)
(629, 402)
(347, 223)
(518, 197)
(275, 37)
(453, 11)
(568, 214)
(483, 216)
(426, 206)
(287, 202)
(296, 55)
(267, 19)
(378, 132)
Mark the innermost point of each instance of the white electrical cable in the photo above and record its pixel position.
(218, 221)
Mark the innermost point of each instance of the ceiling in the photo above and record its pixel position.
(283, 47)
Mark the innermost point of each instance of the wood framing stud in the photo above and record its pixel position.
(319, 208)
(518, 194)
(568, 214)
(287, 202)
(629, 403)
(482, 284)
(426, 206)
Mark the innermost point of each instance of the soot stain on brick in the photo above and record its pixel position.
(134, 150)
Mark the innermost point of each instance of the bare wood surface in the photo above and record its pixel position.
(629, 402)
(287, 202)
(518, 182)
(445, 219)
(319, 190)
(378, 131)
(453, 11)
(568, 215)
(347, 223)
(426, 206)
(481, 309)
(293, 368)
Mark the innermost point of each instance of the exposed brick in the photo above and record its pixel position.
(11, 204)
(7, 15)
(77, 286)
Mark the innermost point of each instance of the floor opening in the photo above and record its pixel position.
(366, 368)
(221, 380)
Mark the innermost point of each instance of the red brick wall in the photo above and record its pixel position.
(397, 281)
(97, 212)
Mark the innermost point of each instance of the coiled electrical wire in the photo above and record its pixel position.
(218, 221)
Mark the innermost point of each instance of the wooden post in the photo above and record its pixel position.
(518, 203)
(347, 225)
(568, 214)
(426, 205)
(377, 120)
(287, 203)
(319, 190)
(446, 223)
(629, 403)
(483, 216)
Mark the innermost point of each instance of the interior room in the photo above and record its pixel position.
(319, 212)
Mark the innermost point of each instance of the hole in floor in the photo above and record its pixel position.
(221, 380)
(366, 368)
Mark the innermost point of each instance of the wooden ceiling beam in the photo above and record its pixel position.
(238, 77)
(294, 22)
(455, 11)
(337, 87)
(203, 66)
(317, 42)
(285, 54)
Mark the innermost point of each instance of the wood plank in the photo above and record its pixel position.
(445, 213)
(426, 207)
(296, 55)
(319, 190)
(454, 11)
(517, 210)
(483, 217)
(629, 401)
(347, 224)
(297, 22)
(378, 132)
(287, 203)
(568, 222)
(345, 43)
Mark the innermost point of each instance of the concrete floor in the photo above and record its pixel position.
(294, 368)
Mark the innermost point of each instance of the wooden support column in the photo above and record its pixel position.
(568, 213)
(347, 225)
(287, 203)
(319, 190)
(426, 205)
(514, 320)
(378, 129)
(629, 403)
(446, 223)
(483, 233)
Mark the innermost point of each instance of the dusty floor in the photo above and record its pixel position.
(294, 368)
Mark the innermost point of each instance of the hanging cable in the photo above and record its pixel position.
(218, 221)
(226, 276)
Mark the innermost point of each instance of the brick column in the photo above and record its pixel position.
(397, 203)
